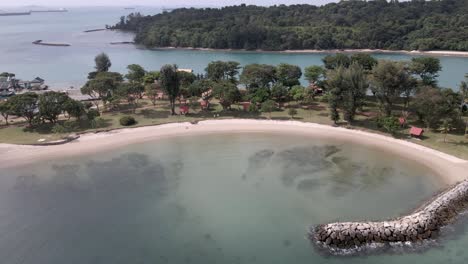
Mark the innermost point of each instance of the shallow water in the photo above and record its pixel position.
(62, 67)
(231, 198)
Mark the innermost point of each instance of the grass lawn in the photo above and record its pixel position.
(147, 114)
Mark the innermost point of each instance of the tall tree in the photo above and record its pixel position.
(135, 74)
(222, 70)
(170, 83)
(5, 110)
(288, 74)
(427, 69)
(366, 61)
(388, 81)
(24, 105)
(51, 105)
(314, 74)
(348, 88)
(227, 93)
(258, 75)
(103, 62)
(334, 61)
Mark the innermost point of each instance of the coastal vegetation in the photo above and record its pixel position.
(380, 24)
(353, 91)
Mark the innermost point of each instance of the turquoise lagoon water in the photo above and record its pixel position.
(68, 66)
(228, 198)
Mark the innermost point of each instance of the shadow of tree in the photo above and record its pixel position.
(152, 113)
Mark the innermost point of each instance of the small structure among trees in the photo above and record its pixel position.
(416, 132)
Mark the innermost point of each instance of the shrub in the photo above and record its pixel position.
(127, 121)
(59, 129)
(292, 112)
(71, 125)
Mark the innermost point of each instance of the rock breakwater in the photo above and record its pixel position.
(423, 224)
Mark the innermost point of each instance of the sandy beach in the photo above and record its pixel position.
(451, 169)
(332, 51)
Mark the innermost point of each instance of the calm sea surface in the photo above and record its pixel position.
(229, 198)
(68, 66)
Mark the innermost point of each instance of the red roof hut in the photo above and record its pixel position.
(184, 109)
(416, 132)
(204, 104)
(246, 106)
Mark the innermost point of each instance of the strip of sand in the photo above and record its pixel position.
(450, 168)
(332, 51)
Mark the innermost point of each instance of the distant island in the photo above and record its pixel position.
(393, 25)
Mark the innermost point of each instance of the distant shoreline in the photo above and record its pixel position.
(330, 51)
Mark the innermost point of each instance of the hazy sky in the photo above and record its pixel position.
(154, 2)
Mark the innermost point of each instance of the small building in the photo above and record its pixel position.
(402, 121)
(416, 132)
(184, 109)
(185, 70)
(246, 105)
(204, 104)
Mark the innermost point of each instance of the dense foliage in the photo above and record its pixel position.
(408, 25)
(127, 120)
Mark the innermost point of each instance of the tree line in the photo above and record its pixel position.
(379, 24)
(346, 82)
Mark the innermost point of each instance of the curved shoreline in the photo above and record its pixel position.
(450, 169)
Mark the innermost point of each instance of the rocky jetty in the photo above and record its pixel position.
(423, 224)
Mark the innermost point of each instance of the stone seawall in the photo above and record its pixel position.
(423, 224)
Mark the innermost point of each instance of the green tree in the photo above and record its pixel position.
(131, 92)
(292, 112)
(170, 83)
(332, 62)
(5, 110)
(227, 93)
(24, 105)
(51, 105)
(99, 89)
(258, 75)
(135, 74)
(389, 80)
(102, 62)
(347, 88)
(427, 68)
(314, 74)
(151, 91)
(366, 61)
(390, 123)
(151, 77)
(222, 70)
(432, 105)
(297, 93)
(268, 106)
(74, 108)
(279, 92)
(288, 74)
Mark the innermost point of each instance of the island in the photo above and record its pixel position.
(384, 25)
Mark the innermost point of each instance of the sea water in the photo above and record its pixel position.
(225, 198)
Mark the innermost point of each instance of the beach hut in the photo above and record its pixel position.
(184, 109)
(416, 132)
(246, 106)
(402, 121)
(204, 104)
